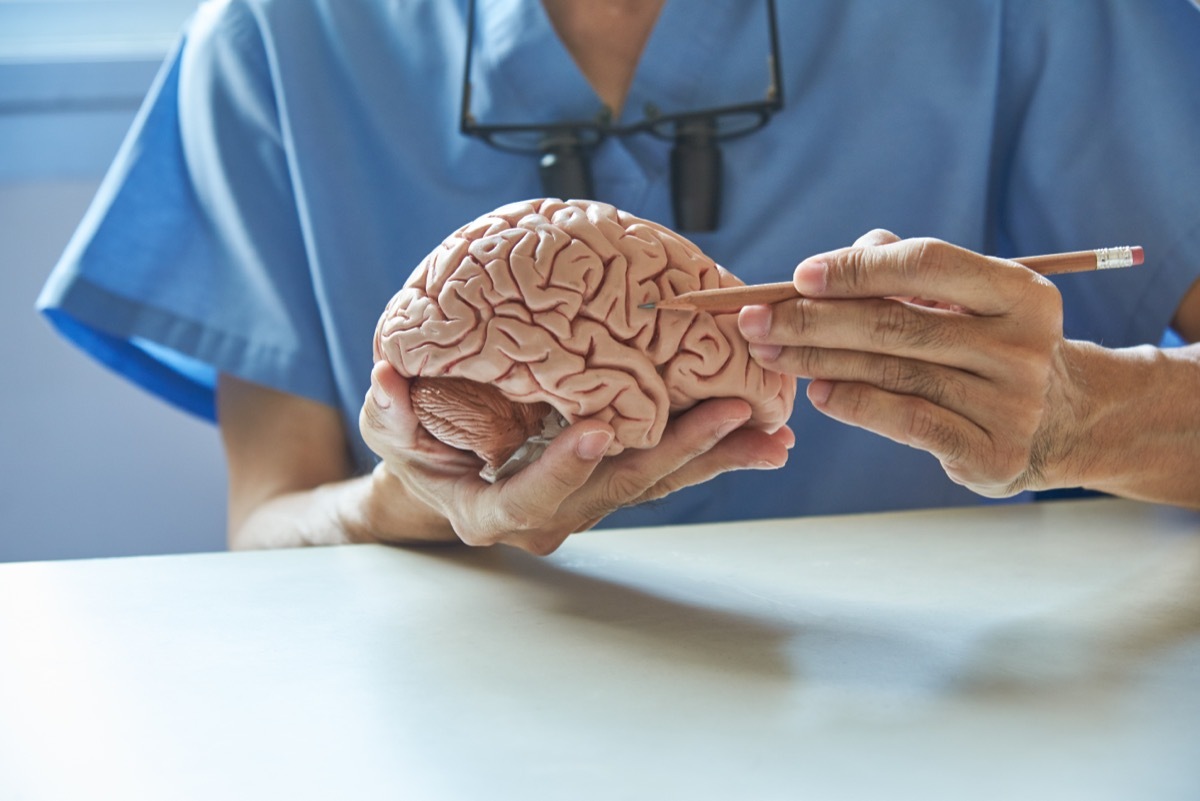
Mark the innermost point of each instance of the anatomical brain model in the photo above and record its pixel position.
(527, 319)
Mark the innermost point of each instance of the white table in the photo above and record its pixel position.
(1044, 652)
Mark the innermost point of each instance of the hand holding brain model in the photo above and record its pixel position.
(526, 320)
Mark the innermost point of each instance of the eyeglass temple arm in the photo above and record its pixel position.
(464, 117)
(775, 87)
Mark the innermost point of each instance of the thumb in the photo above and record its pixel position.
(387, 420)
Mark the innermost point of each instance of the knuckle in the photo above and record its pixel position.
(876, 236)
(896, 375)
(807, 362)
(854, 270)
(925, 426)
(855, 400)
(903, 324)
(939, 387)
(800, 318)
(952, 391)
(929, 254)
(1043, 291)
(1040, 305)
(892, 325)
(919, 424)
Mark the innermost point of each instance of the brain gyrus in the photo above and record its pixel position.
(537, 303)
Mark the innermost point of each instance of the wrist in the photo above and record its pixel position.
(1112, 398)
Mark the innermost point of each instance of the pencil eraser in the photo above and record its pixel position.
(1138, 255)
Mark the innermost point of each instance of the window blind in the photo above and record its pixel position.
(73, 30)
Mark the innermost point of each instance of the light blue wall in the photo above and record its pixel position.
(89, 465)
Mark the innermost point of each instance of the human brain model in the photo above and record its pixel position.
(527, 319)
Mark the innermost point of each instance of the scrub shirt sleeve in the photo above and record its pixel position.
(1104, 152)
(191, 259)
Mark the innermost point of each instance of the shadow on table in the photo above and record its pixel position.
(699, 625)
(1100, 640)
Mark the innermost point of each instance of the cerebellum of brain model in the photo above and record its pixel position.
(526, 320)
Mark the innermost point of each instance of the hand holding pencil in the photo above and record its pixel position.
(978, 373)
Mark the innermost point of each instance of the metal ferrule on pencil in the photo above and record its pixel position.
(1114, 258)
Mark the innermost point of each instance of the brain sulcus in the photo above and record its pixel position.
(528, 318)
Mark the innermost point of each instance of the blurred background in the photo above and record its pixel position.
(90, 466)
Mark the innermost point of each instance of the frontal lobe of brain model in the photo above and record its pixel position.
(527, 319)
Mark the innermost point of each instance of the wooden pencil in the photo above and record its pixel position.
(730, 299)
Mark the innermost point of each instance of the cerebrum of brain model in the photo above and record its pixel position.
(527, 320)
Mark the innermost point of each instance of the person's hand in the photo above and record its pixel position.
(933, 346)
(424, 490)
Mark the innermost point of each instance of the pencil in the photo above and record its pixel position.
(732, 298)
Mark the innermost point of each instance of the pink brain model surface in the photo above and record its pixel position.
(537, 303)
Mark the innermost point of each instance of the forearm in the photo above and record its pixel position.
(370, 508)
(1138, 423)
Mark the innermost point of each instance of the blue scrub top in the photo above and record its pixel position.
(296, 159)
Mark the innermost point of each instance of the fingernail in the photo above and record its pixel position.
(729, 425)
(765, 353)
(593, 445)
(755, 321)
(811, 276)
(818, 391)
(381, 398)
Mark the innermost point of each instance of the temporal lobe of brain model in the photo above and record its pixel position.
(526, 320)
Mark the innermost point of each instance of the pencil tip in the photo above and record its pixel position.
(646, 306)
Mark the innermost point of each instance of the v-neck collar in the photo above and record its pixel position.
(525, 75)
(670, 74)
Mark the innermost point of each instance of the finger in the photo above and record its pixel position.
(920, 268)
(957, 390)
(387, 421)
(625, 479)
(390, 427)
(787, 437)
(872, 325)
(906, 419)
(881, 236)
(521, 509)
(742, 449)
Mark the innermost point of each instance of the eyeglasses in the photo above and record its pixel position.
(563, 148)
